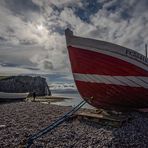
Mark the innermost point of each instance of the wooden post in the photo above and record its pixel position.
(146, 50)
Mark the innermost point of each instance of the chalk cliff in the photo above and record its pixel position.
(19, 84)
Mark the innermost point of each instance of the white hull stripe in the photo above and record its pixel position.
(132, 81)
(113, 54)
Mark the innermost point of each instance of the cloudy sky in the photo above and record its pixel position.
(32, 37)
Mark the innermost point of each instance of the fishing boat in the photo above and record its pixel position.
(4, 97)
(107, 75)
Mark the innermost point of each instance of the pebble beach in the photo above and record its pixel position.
(20, 119)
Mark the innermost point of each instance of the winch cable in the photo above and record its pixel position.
(53, 125)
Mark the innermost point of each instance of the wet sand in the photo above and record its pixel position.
(19, 120)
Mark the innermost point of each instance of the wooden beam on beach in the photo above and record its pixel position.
(101, 118)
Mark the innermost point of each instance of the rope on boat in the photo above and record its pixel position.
(53, 125)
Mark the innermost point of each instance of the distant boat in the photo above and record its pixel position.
(12, 96)
(107, 75)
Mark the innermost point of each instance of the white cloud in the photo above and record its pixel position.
(10, 71)
(131, 31)
(62, 86)
(65, 3)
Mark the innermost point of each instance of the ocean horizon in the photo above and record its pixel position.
(68, 92)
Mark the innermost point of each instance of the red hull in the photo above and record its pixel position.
(107, 81)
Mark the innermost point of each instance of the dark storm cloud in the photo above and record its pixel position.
(22, 6)
(2, 39)
(89, 8)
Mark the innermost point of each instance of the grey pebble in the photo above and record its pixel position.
(25, 118)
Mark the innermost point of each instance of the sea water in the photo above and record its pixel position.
(74, 96)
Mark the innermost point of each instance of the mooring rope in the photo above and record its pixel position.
(53, 125)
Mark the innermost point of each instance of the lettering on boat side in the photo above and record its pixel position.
(136, 55)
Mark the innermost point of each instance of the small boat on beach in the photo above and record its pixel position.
(6, 97)
(107, 75)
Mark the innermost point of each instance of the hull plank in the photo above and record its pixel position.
(113, 96)
(84, 61)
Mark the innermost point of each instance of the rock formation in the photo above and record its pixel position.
(21, 84)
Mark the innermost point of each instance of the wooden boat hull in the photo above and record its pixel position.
(108, 75)
(7, 97)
